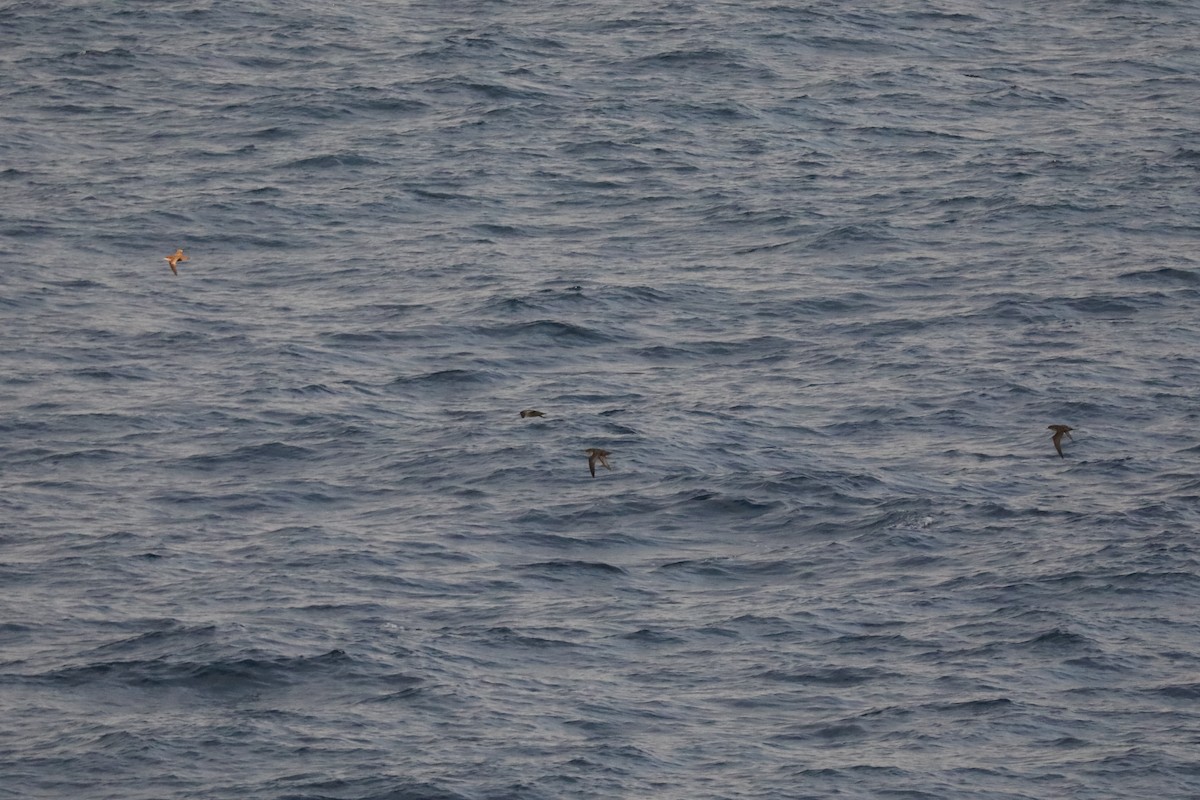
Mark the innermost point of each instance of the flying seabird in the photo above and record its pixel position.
(1059, 432)
(175, 259)
(596, 454)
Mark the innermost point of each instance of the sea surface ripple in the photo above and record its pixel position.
(818, 275)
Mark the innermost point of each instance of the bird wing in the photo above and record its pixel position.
(592, 464)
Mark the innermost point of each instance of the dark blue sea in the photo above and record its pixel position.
(818, 275)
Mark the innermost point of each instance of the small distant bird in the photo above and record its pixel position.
(1059, 432)
(175, 259)
(529, 412)
(596, 454)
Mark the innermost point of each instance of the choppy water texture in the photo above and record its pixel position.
(817, 274)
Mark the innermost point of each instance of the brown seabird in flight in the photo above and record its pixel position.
(596, 454)
(175, 259)
(1059, 432)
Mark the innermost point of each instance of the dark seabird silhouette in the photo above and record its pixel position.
(596, 454)
(175, 259)
(1059, 432)
(529, 412)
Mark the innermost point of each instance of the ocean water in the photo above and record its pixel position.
(818, 275)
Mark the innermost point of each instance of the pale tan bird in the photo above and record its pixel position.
(175, 259)
(529, 412)
(1059, 432)
(596, 454)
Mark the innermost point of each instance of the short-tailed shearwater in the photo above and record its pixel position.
(596, 454)
(529, 412)
(175, 259)
(1059, 432)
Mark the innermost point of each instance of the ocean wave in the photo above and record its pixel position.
(818, 278)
